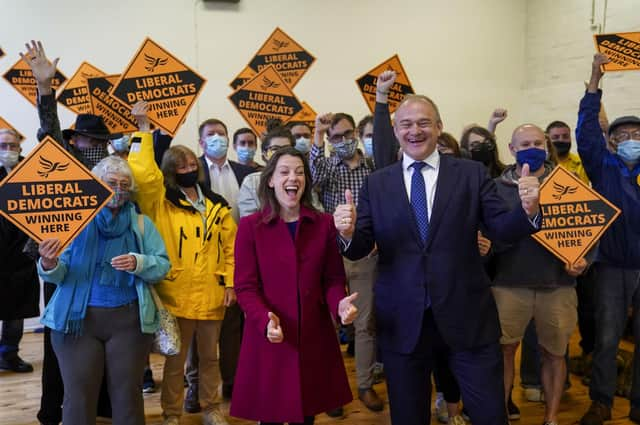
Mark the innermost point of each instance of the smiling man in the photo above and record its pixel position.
(432, 296)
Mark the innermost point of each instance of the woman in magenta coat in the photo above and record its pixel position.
(290, 282)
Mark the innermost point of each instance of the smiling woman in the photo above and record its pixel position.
(290, 281)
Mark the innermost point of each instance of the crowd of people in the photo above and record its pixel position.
(420, 242)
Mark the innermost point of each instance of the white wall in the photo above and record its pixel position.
(560, 50)
(468, 55)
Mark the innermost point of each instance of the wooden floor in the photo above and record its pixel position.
(20, 398)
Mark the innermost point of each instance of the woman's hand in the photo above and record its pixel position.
(124, 263)
(48, 251)
(346, 310)
(274, 331)
(229, 297)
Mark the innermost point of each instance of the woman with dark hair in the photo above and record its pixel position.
(481, 145)
(199, 231)
(290, 282)
(448, 145)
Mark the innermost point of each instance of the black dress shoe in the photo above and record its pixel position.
(15, 364)
(336, 413)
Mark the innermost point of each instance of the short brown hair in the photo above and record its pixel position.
(450, 142)
(267, 195)
(211, 121)
(173, 158)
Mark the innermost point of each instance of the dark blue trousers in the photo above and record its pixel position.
(479, 373)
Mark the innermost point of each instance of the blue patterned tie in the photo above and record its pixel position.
(419, 199)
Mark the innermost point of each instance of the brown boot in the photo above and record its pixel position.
(370, 399)
(596, 415)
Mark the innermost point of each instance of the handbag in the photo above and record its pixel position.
(166, 339)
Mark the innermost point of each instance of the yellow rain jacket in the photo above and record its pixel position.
(201, 256)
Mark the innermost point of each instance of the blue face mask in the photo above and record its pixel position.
(216, 146)
(629, 150)
(367, 142)
(120, 145)
(533, 156)
(245, 154)
(303, 144)
(346, 149)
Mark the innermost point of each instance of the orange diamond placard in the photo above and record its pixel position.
(116, 115)
(574, 216)
(623, 49)
(306, 115)
(157, 76)
(75, 95)
(263, 97)
(282, 52)
(402, 86)
(21, 78)
(241, 79)
(5, 124)
(50, 194)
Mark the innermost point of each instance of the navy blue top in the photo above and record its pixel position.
(292, 229)
(609, 175)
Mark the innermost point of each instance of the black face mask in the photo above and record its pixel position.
(562, 148)
(483, 153)
(187, 179)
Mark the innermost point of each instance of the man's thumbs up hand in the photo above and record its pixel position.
(344, 217)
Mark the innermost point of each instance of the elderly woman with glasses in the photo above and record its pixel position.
(102, 315)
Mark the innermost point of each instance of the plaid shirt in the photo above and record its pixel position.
(332, 177)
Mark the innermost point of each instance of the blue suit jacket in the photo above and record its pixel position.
(448, 265)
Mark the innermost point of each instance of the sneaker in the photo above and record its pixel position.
(148, 384)
(533, 394)
(214, 417)
(596, 415)
(634, 415)
(457, 420)
(441, 409)
(513, 410)
(171, 420)
(15, 364)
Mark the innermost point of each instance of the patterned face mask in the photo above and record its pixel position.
(120, 196)
(95, 154)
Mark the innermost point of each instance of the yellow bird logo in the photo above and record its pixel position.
(154, 62)
(277, 44)
(563, 190)
(267, 84)
(49, 167)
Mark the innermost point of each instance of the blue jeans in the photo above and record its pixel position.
(11, 335)
(616, 290)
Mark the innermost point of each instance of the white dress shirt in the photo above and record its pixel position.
(224, 183)
(429, 173)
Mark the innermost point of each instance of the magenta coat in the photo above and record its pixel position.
(301, 283)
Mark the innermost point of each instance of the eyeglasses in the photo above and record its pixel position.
(337, 138)
(9, 146)
(623, 136)
(123, 185)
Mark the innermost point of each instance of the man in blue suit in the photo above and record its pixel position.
(432, 294)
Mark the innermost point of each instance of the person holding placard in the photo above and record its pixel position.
(615, 175)
(102, 315)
